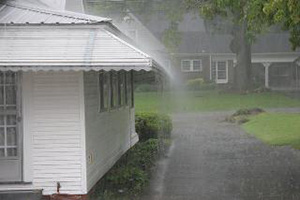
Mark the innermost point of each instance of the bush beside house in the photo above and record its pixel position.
(199, 84)
(152, 125)
(130, 175)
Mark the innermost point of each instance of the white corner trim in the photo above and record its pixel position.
(27, 104)
(83, 133)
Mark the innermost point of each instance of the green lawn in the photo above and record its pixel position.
(275, 128)
(209, 101)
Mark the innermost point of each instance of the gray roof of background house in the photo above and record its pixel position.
(196, 39)
(197, 42)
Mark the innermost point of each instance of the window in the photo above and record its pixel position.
(121, 89)
(197, 65)
(186, 65)
(104, 91)
(114, 99)
(191, 65)
(219, 71)
(8, 118)
(130, 93)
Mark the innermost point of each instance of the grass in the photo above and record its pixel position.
(275, 128)
(209, 101)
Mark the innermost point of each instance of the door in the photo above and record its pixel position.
(10, 136)
(219, 71)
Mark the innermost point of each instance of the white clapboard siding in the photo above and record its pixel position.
(57, 132)
(108, 134)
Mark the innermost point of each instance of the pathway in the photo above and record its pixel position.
(214, 160)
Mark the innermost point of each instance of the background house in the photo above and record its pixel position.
(66, 98)
(206, 54)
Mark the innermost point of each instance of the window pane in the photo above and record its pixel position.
(1, 95)
(11, 120)
(126, 88)
(2, 138)
(121, 88)
(12, 152)
(114, 90)
(10, 77)
(106, 90)
(11, 136)
(2, 154)
(222, 74)
(128, 79)
(132, 89)
(197, 65)
(1, 120)
(10, 95)
(1, 77)
(186, 65)
(213, 71)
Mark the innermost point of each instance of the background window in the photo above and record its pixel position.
(197, 65)
(191, 65)
(186, 65)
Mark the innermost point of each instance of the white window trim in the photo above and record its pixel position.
(219, 81)
(191, 61)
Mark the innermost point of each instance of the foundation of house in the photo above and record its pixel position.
(65, 197)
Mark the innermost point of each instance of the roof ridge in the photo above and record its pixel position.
(68, 14)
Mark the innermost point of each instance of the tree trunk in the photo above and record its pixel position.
(241, 46)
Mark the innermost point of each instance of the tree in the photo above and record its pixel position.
(246, 20)
(287, 13)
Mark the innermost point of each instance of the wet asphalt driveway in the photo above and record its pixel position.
(214, 160)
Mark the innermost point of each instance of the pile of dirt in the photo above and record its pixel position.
(241, 116)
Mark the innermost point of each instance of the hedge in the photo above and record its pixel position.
(130, 175)
(152, 125)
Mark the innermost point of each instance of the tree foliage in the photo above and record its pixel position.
(259, 14)
(234, 13)
(287, 13)
(248, 18)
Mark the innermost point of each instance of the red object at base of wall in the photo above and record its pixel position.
(65, 197)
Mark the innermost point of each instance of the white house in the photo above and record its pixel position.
(66, 98)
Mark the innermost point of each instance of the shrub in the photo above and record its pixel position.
(130, 174)
(199, 84)
(252, 111)
(150, 125)
(241, 116)
(144, 154)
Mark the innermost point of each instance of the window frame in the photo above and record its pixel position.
(121, 89)
(102, 78)
(191, 63)
(114, 91)
(217, 80)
